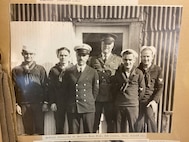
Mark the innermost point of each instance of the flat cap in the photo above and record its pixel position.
(108, 38)
(152, 48)
(130, 51)
(83, 49)
(28, 49)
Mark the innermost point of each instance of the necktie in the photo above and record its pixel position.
(61, 74)
(79, 71)
(147, 78)
(105, 58)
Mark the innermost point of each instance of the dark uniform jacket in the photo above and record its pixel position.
(30, 84)
(154, 83)
(128, 90)
(105, 70)
(55, 82)
(82, 90)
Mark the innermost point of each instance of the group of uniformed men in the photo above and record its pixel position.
(106, 84)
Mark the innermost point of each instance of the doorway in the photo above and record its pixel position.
(92, 35)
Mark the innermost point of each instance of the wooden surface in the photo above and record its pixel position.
(181, 106)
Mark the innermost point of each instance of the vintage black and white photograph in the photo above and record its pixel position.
(128, 140)
(94, 68)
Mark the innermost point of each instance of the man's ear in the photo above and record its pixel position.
(113, 44)
(134, 60)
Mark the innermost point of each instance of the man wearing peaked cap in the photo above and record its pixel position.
(129, 86)
(82, 53)
(30, 81)
(108, 38)
(82, 86)
(154, 87)
(106, 64)
(83, 49)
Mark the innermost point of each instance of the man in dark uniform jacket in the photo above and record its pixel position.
(129, 87)
(106, 64)
(154, 87)
(82, 86)
(57, 95)
(30, 88)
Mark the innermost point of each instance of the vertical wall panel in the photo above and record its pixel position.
(40, 9)
(110, 11)
(82, 12)
(91, 12)
(123, 12)
(160, 18)
(170, 17)
(78, 12)
(128, 12)
(119, 12)
(68, 11)
(165, 18)
(95, 8)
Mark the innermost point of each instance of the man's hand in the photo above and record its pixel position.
(154, 105)
(53, 107)
(18, 109)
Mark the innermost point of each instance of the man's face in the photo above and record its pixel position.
(146, 57)
(28, 57)
(128, 61)
(63, 56)
(107, 48)
(82, 59)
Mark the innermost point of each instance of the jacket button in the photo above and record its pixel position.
(77, 95)
(77, 101)
(76, 84)
(85, 100)
(77, 90)
(84, 94)
(84, 89)
(84, 84)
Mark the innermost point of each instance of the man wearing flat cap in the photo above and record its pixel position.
(30, 82)
(82, 86)
(106, 64)
(129, 87)
(154, 87)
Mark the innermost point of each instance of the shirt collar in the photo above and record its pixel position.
(131, 71)
(80, 68)
(107, 55)
(62, 66)
(141, 66)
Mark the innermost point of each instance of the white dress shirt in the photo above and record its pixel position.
(81, 68)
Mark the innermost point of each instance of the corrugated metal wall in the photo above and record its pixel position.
(53, 12)
(161, 26)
